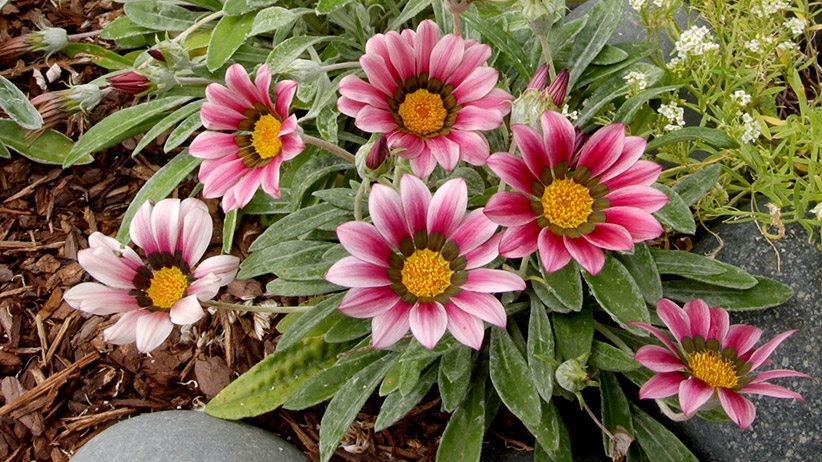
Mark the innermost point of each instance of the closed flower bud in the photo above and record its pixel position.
(537, 99)
(539, 79)
(49, 40)
(130, 83)
(572, 375)
(58, 105)
(303, 70)
(558, 87)
(378, 154)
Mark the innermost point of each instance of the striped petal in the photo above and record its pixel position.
(741, 411)
(428, 322)
(363, 241)
(367, 302)
(467, 329)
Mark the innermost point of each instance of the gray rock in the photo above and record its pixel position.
(784, 430)
(183, 436)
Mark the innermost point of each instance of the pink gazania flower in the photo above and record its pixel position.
(713, 360)
(430, 96)
(262, 136)
(573, 203)
(418, 266)
(165, 290)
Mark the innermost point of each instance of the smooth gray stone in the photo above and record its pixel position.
(186, 436)
(784, 430)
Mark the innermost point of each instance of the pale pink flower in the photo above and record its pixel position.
(166, 290)
(236, 164)
(573, 203)
(714, 359)
(418, 266)
(430, 96)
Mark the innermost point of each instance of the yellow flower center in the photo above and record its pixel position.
(167, 286)
(566, 203)
(710, 367)
(426, 273)
(264, 139)
(423, 112)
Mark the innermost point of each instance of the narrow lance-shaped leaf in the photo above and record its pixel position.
(765, 294)
(694, 186)
(642, 268)
(617, 292)
(603, 19)
(327, 382)
(17, 106)
(710, 136)
(397, 405)
(51, 147)
(462, 439)
(675, 213)
(616, 416)
(308, 321)
(573, 333)
(658, 441)
(226, 38)
(540, 347)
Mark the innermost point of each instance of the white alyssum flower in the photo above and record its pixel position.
(750, 129)
(695, 42)
(637, 4)
(769, 7)
(787, 46)
(817, 210)
(674, 114)
(658, 3)
(637, 81)
(572, 115)
(796, 25)
(741, 97)
(753, 45)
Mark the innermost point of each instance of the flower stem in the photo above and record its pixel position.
(596, 421)
(456, 23)
(194, 80)
(670, 413)
(523, 266)
(75, 37)
(546, 51)
(340, 66)
(332, 148)
(256, 309)
(196, 25)
(358, 200)
(607, 333)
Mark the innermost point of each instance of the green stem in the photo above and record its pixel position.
(332, 148)
(523, 266)
(358, 200)
(75, 37)
(606, 332)
(546, 51)
(256, 309)
(196, 25)
(340, 66)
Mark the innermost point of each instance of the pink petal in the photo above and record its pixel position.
(490, 281)
(742, 338)
(283, 95)
(223, 178)
(356, 89)
(368, 302)
(104, 266)
(484, 306)
(512, 171)
(348, 106)
(719, 325)
(263, 82)
(385, 207)
(424, 163)
(587, 255)
(238, 80)
(415, 198)
(642, 197)
(187, 310)
(212, 145)
(408, 146)
(603, 149)
(478, 84)
(140, 229)
(674, 318)
(445, 151)
(467, 329)
(373, 120)
(125, 330)
(532, 147)
(195, 236)
(428, 33)
(640, 224)
(353, 272)
(520, 241)
(483, 254)
(657, 333)
(497, 100)
(700, 316)
(558, 135)
(271, 178)
(292, 146)
(643, 173)
(632, 150)
(363, 241)
(246, 187)
(610, 236)
(775, 391)
(447, 207)
(98, 299)
(471, 117)
(778, 374)
(693, 393)
(389, 327)
(741, 411)
(205, 288)
(661, 385)
(658, 359)
(764, 352)
(473, 57)
(222, 266)
(428, 322)
(552, 251)
(402, 55)
(377, 72)
(446, 57)
(473, 147)
(127, 255)
(222, 96)
(165, 224)
(474, 230)
(216, 117)
(152, 330)
(509, 209)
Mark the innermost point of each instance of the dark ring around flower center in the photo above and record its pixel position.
(434, 86)
(244, 141)
(698, 344)
(143, 279)
(435, 242)
(580, 176)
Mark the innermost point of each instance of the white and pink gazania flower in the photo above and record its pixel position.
(714, 360)
(418, 266)
(261, 137)
(572, 203)
(165, 290)
(430, 96)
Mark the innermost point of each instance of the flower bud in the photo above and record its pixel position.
(171, 54)
(539, 79)
(378, 154)
(572, 375)
(130, 83)
(156, 54)
(537, 99)
(303, 70)
(49, 39)
(58, 105)
(539, 14)
(558, 87)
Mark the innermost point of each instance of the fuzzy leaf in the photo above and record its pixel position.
(566, 285)
(694, 186)
(609, 55)
(603, 19)
(285, 288)
(396, 405)
(711, 136)
(284, 258)
(17, 106)
(313, 171)
(499, 40)
(617, 292)
(642, 267)
(308, 321)
(609, 358)
(271, 19)
(766, 293)
(573, 333)
(625, 113)
(454, 376)
(347, 329)
(296, 224)
(167, 122)
(694, 266)
(180, 134)
(329, 6)
(285, 52)
(226, 38)
(49, 148)
(541, 345)
(158, 15)
(229, 226)
(123, 27)
(675, 213)
(462, 439)
(657, 440)
(616, 413)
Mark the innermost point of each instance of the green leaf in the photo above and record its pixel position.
(100, 56)
(563, 450)
(397, 405)
(609, 358)
(116, 127)
(573, 333)
(4, 152)
(271, 382)
(562, 37)
(617, 292)
(603, 20)
(271, 19)
(676, 213)
(180, 134)
(342, 198)
(226, 38)
(710, 136)
(229, 225)
(609, 55)
(616, 413)
(296, 224)
(285, 288)
(347, 329)
(284, 258)
(547, 297)
(643, 269)
(158, 187)
(411, 9)
(499, 40)
(328, 6)
(766, 293)
(701, 268)
(50, 147)
(565, 284)
(636, 52)
(345, 405)
(657, 440)
(166, 123)
(285, 52)
(541, 345)
(313, 171)
(308, 321)
(614, 87)
(513, 381)
(462, 439)
(625, 113)
(694, 186)
(17, 106)
(157, 15)
(454, 376)
(236, 7)
(324, 384)
(123, 27)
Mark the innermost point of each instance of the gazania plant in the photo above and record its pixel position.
(467, 195)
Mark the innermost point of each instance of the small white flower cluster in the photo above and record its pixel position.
(674, 114)
(817, 210)
(637, 81)
(695, 42)
(638, 5)
(741, 98)
(788, 46)
(796, 25)
(572, 116)
(750, 129)
(753, 45)
(770, 7)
